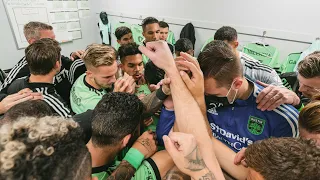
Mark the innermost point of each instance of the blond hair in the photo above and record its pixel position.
(33, 28)
(98, 54)
(38, 148)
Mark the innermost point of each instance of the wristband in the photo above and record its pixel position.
(160, 94)
(134, 157)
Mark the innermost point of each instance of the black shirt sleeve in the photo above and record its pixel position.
(66, 62)
(84, 120)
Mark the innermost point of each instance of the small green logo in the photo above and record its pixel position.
(256, 125)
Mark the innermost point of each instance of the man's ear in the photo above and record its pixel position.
(89, 73)
(121, 66)
(31, 40)
(143, 34)
(125, 140)
(235, 44)
(238, 83)
(118, 41)
(57, 66)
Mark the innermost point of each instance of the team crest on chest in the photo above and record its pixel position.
(256, 125)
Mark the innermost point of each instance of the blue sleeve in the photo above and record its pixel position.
(165, 124)
(287, 122)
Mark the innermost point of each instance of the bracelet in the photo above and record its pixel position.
(134, 157)
(160, 94)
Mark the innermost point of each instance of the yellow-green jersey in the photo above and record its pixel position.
(83, 96)
(137, 34)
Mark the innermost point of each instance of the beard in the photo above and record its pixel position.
(102, 86)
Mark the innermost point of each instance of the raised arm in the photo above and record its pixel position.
(189, 118)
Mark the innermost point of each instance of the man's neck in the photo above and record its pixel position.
(92, 83)
(237, 53)
(41, 78)
(245, 90)
(101, 156)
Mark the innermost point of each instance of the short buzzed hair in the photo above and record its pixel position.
(163, 24)
(226, 33)
(149, 20)
(36, 108)
(309, 67)
(116, 115)
(99, 54)
(121, 31)
(183, 45)
(284, 158)
(33, 28)
(218, 61)
(42, 56)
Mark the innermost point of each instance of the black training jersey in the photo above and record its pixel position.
(21, 70)
(50, 95)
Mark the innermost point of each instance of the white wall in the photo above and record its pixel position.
(10, 55)
(294, 20)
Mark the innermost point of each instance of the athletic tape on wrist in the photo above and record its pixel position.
(134, 157)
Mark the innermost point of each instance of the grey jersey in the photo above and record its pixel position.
(255, 70)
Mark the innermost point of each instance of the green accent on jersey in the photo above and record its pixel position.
(301, 107)
(105, 174)
(171, 39)
(207, 42)
(256, 125)
(144, 172)
(153, 125)
(137, 34)
(145, 59)
(143, 89)
(83, 97)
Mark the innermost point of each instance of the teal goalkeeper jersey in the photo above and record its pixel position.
(83, 96)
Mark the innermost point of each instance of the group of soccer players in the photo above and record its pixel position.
(154, 111)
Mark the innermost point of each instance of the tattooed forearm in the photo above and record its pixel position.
(176, 174)
(125, 171)
(195, 161)
(208, 176)
(152, 103)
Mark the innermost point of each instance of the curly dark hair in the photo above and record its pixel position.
(284, 158)
(115, 116)
(43, 148)
(128, 50)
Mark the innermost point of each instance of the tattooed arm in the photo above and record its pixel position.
(189, 117)
(176, 174)
(146, 147)
(186, 155)
(125, 171)
(154, 100)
